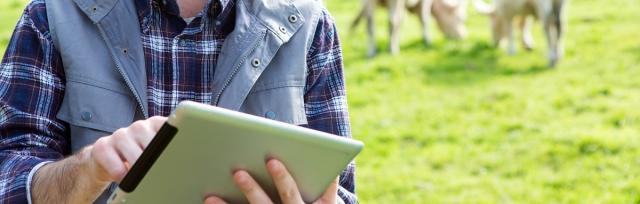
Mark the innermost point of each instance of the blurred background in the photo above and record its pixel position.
(464, 122)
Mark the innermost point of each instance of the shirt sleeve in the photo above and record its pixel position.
(31, 90)
(325, 94)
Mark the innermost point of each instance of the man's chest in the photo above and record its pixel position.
(180, 59)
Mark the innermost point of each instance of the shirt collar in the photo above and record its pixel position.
(222, 17)
(171, 7)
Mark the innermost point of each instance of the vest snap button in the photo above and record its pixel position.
(255, 62)
(293, 18)
(86, 116)
(270, 115)
(283, 30)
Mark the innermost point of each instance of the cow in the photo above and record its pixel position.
(550, 12)
(450, 16)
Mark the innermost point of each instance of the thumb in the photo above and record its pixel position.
(330, 195)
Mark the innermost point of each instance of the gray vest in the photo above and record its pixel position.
(261, 69)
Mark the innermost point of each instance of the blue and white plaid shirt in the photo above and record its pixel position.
(32, 84)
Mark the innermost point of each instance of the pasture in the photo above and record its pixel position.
(462, 122)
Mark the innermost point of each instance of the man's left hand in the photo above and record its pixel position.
(287, 187)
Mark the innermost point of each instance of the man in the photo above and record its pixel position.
(78, 73)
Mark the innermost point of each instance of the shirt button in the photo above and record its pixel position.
(270, 115)
(182, 43)
(86, 116)
(283, 30)
(255, 62)
(293, 18)
(218, 23)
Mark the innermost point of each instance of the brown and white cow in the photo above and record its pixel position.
(450, 16)
(549, 12)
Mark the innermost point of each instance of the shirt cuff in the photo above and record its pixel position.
(30, 178)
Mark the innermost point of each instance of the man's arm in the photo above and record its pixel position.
(31, 89)
(82, 177)
(33, 141)
(325, 94)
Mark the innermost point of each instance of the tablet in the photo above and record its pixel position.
(199, 147)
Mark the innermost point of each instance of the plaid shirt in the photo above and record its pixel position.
(180, 63)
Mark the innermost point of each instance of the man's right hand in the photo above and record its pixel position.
(82, 177)
(112, 156)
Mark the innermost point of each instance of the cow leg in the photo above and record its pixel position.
(368, 12)
(560, 27)
(497, 30)
(552, 43)
(508, 31)
(559, 42)
(425, 15)
(396, 15)
(527, 38)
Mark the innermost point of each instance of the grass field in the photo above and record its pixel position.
(461, 122)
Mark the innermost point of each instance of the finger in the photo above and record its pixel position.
(108, 160)
(128, 149)
(250, 188)
(142, 132)
(157, 122)
(151, 127)
(287, 187)
(331, 194)
(214, 200)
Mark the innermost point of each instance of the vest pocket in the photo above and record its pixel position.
(93, 111)
(284, 103)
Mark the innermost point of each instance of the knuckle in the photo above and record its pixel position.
(157, 118)
(288, 193)
(139, 124)
(101, 145)
(120, 133)
(156, 121)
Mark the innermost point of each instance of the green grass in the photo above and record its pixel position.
(462, 122)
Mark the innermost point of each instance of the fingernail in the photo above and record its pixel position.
(273, 164)
(212, 199)
(240, 176)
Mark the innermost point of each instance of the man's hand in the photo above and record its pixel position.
(287, 187)
(112, 156)
(82, 177)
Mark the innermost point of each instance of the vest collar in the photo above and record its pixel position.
(277, 15)
(96, 9)
(268, 13)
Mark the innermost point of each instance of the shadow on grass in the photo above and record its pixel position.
(464, 63)
(451, 63)
(635, 51)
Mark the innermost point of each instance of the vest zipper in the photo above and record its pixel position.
(124, 74)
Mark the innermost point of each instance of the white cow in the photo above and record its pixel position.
(549, 12)
(449, 14)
